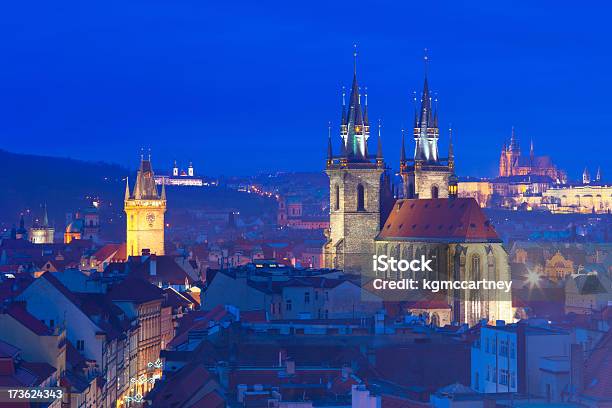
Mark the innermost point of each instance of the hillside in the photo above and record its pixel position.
(27, 182)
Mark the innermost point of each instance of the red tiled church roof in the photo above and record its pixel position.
(456, 220)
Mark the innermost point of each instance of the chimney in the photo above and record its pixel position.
(346, 372)
(153, 265)
(282, 356)
(289, 366)
(242, 389)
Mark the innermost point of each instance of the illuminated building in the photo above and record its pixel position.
(41, 232)
(85, 225)
(291, 214)
(511, 163)
(181, 178)
(585, 198)
(463, 246)
(145, 209)
(431, 220)
(478, 189)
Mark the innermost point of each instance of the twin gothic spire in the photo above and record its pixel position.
(355, 127)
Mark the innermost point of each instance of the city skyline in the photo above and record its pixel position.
(185, 93)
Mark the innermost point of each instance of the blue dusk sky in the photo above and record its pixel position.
(245, 87)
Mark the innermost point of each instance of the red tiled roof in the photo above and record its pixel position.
(393, 401)
(135, 290)
(41, 370)
(176, 299)
(181, 386)
(253, 316)
(211, 400)
(116, 252)
(18, 312)
(459, 219)
(196, 321)
(167, 269)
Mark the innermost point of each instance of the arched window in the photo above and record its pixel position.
(434, 192)
(360, 198)
(337, 198)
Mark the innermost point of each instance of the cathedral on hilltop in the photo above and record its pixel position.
(512, 163)
(427, 220)
(144, 209)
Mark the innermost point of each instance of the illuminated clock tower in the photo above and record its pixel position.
(145, 210)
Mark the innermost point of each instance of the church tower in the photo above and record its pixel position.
(359, 188)
(509, 160)
(41, 232)
(425, 176)
(145, 210)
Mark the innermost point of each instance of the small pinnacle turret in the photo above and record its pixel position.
(451, 152)
(45, 221)
(127, 189)
(403, 153)
(379, 152)
(330, 155)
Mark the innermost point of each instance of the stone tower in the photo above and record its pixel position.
(426, 176)
(359, 189)
(41, 232)
(145, 210)
(509, 159)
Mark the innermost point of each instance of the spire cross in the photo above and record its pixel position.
(343, 96)
(142, 153)
(366, 96)
(426, 61)
(329, 129)
(149, 154)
